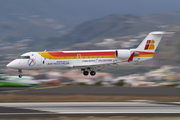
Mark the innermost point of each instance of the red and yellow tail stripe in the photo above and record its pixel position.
(145, 54)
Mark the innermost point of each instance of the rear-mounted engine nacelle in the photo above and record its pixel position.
(123, 54)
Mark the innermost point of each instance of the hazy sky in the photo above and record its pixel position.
(138, 7)
(88, 9)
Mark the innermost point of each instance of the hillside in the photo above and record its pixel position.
(106, 27)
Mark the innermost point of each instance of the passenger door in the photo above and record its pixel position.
(38, 59)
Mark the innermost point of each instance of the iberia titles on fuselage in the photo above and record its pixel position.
(88, 61)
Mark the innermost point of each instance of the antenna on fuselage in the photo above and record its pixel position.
(44, 50)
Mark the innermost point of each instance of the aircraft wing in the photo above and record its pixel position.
(104, 65)
(97, 66)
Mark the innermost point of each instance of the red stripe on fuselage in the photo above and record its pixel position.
(58, 54)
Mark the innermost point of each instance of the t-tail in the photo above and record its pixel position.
(150, 43)
(147, 47)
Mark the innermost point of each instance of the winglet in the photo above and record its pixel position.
(131, 57)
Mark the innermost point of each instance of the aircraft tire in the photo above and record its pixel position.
(20, 76)
(93, 73)
(86, 73)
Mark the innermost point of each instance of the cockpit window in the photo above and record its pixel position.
(24, 57)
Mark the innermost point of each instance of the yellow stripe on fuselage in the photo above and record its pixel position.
(48, 56)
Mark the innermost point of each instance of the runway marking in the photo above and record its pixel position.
(114, 112)
(75, 108)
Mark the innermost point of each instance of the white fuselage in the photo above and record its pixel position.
(76, 59)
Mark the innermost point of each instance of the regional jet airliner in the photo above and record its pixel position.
(88, 61)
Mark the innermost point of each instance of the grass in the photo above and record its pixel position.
(81, 98)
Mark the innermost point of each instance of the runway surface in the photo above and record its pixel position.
(57, 109)
(59, 90)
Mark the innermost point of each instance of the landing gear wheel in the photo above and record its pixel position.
(20, 73)
(20, 76)
(93, 73)
(86, 73)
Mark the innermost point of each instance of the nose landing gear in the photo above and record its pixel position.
(20, 76)
(20, 73)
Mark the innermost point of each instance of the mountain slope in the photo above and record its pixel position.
(110, 26)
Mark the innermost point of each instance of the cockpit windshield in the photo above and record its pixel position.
(24, 57)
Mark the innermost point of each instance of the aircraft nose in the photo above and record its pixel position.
(12, 64)
(9, 65)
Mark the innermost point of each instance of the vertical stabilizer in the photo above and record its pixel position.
(151, 42)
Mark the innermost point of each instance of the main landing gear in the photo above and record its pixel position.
(20, 73)
(86, 72)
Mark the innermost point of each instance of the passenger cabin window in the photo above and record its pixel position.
(24, 57)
